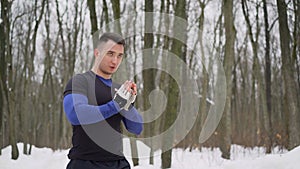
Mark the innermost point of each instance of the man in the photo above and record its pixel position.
(95, 106)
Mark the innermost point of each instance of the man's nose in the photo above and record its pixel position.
(114, 59)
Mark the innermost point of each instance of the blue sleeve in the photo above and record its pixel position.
(133, 121)
(78, 111)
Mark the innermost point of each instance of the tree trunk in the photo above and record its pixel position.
(149, 74)
(268, 79)
(93, 15)
(179, 49)
(134, 151)
(228, 64)
(9, 87)
(105, 16)
(117, 16)
(290, 95)
(2, 74)
(203, 83)
(296, 44)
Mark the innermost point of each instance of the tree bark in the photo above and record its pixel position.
(9, 86)
(228, 64)
(2, 73)
(296, 43)
(179, 49)
(104, 16)
(116, 15)
(202, 114)
(290, 102)
(149, 74)
(93, 15)
(268, 96)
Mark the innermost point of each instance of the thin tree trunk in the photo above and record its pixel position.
(148, 75)
(2, 73)
(204, 82)
(104, 16)
(228, 64)
(268, 79)
(116, 16)
(179, 49)
(133, 142)
(93, 15)
(296, 43)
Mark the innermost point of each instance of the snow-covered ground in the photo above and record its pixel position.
(255, 158)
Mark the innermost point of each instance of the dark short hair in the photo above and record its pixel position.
(110, 36)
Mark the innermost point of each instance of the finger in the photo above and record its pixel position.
(128, 84)
(122, 87)
(134, 88)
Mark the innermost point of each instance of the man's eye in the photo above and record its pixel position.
(110, 54)
(120, 56)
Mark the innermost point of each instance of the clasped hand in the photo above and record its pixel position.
(126, 95)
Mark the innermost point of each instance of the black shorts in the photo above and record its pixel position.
(83, 164)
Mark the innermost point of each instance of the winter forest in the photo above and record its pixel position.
(255, 86)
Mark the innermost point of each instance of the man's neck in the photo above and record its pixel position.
(101, 74)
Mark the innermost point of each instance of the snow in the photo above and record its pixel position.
(208, 158)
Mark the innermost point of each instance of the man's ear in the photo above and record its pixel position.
(96, 52)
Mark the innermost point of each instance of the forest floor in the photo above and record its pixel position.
(207, 158)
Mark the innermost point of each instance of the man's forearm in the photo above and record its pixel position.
(133, 121)
(79, 112)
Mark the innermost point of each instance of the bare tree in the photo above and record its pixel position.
(8, 74)
(296, 41)
(228, 65)
(116, 15)
(268, 96)
(291, 107)
(93, 15)
(204, 80)
(179, 49)
(148, 75)
(2, 71)
(257, 78)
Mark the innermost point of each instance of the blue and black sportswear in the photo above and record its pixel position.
(96, 118)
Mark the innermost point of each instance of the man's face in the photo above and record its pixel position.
(109, 57)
